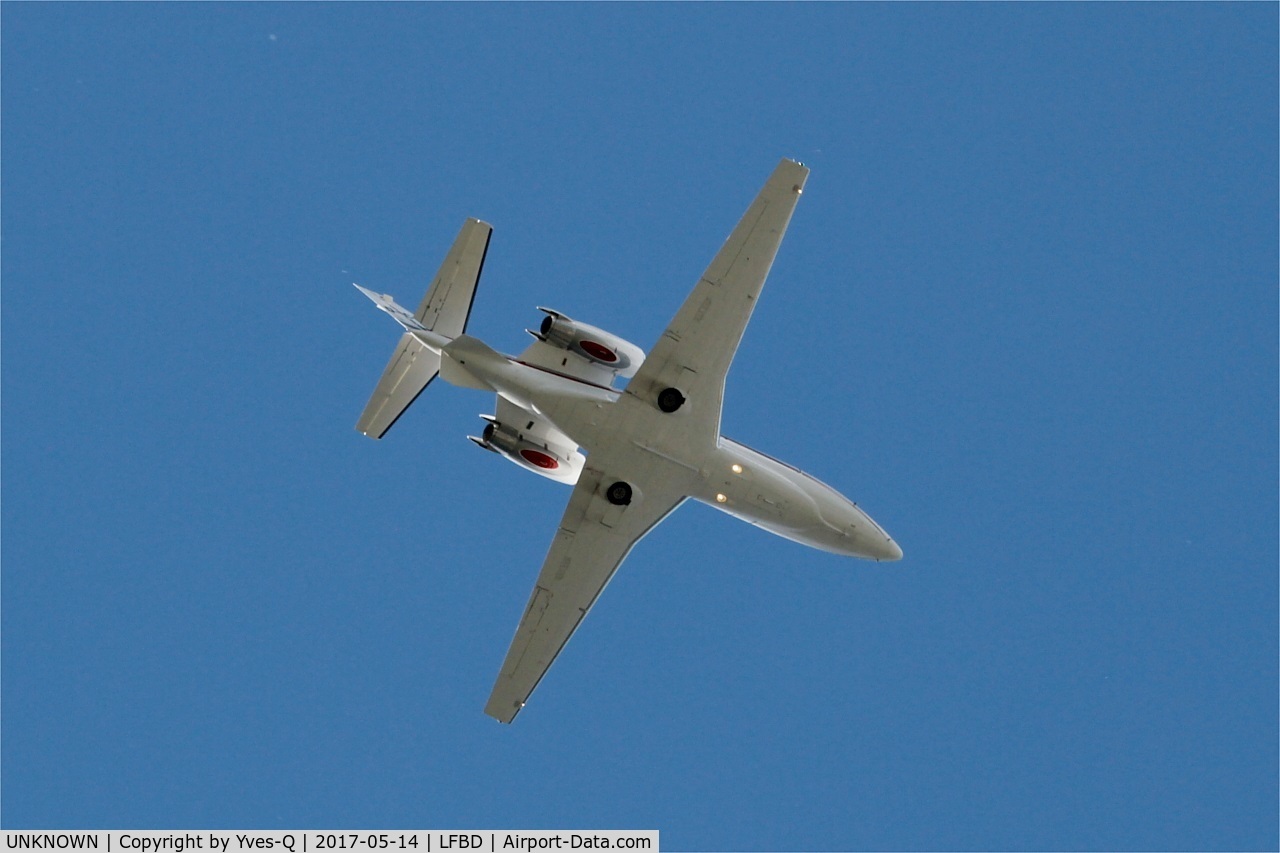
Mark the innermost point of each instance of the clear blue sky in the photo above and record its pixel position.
(1026, 315)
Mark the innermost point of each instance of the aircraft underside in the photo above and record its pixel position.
(633, 454)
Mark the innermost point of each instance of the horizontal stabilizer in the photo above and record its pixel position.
(441, 316)
(447, 305)
(411, 369)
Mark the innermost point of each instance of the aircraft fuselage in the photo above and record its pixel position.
(727, 475)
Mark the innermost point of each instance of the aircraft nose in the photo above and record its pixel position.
(889, 552)
(873, 541)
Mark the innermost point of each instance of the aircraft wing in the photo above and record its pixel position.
(694, 353)
(593, 539)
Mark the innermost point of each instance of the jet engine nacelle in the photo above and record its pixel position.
(556, 464)
(595, 345)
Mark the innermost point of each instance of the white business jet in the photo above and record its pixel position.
(650, 446)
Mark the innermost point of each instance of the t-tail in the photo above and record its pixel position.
(442, 315)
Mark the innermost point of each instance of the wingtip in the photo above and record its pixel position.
(504, 719)
(794, 171)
